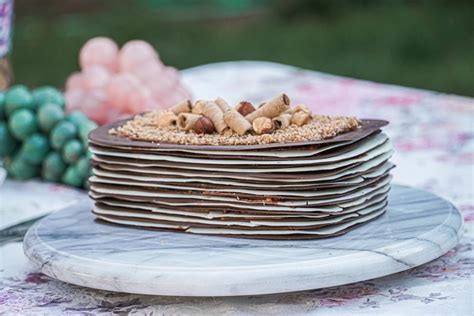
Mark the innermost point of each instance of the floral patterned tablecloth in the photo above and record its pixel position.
(434, 139)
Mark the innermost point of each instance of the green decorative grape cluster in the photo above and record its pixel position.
(38, 139)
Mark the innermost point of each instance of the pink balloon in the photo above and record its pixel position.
(99, 51)
(94, 77)
(151, 104)
(134, 53)
(183, 91)
(91, 106)
(98, 94)
(116, 83)
(73, 99)
(174, 95)
(148, 71)
(112, 114)
(138, 100)
(162, 87)
(172, 90)
(174, 98)
(100, 117)
(119, 88)
(74, 81)
(180, 92)
(172, 73)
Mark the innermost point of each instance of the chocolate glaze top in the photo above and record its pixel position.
(101, 136)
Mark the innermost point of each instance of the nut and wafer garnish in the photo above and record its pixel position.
(204, 126)
(245, 108)
(215, 122)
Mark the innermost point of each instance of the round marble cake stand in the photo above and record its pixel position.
(70, 246)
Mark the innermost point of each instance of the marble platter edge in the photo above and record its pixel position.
(140, 271)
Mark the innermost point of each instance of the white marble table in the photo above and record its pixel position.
(435, 159)
(22, 201)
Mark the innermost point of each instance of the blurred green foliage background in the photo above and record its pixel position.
(424, 44)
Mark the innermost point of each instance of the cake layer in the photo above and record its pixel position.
(309, 189)
(237, 223)
(237, 205)
(202, 200)
(102, 136)
(232, 213)
(296, 153)
(376, 146)
(357, 168)
(232, 187)
(239, 192)
(321, 232)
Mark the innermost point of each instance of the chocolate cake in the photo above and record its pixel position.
(308, 177)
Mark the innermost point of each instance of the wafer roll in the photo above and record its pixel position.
(214, 113)
(222, 104)
(198, 107)
(184, 106)
(166, 119)
(299, 108)
(237, 122)
(300, 118)
(186, 121)
(271, 108)
(282, 121)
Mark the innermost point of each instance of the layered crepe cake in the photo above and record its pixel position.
(244, 171)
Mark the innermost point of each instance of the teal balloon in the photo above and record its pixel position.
(7, 160)
(35, 148)
(88, 154)
(53, 167)
(20, 169)
(83, 166)
(77, 118)
(49, 176)
(72, 151)
(49, 114)
(72, 177)
(3, 115)
(86, 185)
(84, 131)
(61, 133)
(50, 94)
(7, 141)
(22, 124)
(18, 97)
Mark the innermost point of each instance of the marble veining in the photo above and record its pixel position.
(70, 246)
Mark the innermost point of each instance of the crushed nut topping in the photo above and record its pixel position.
(292, 124)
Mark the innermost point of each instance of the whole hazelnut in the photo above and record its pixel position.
(300, 118)
(245, 108)
(204, 126)
(263, 125)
